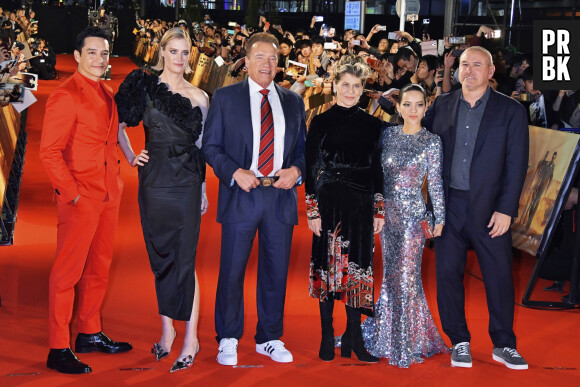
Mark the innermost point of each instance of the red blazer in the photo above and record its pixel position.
(78, 147)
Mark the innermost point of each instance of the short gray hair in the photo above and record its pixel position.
(353, 65)
(485, 52)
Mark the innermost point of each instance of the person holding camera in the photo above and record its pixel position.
(44, 62)
(17, 54)
(566, 107)
(344, 205)
(7, 34)
(285, 53)
(14, 25)
(407, 60)
(532, 99)
(516, 65)
(425, 74)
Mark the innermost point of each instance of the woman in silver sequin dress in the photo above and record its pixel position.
(402, 328)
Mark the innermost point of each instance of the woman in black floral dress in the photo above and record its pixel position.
(344, 183)
(171, 183)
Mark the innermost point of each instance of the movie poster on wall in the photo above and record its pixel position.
(552, 162)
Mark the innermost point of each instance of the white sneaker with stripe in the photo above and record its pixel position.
(276, 350)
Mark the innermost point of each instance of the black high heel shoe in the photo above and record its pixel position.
(184, 363)
(159, 351)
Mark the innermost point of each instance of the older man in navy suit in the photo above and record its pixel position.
(254, 139)
(485, 150)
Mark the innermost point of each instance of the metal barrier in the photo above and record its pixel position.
(12, 150)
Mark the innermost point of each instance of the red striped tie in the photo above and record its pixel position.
(266, 155)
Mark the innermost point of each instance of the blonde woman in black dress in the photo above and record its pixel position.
(171, 184)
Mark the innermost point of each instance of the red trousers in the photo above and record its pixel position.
(84, 251)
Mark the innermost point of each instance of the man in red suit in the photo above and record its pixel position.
(79, 151)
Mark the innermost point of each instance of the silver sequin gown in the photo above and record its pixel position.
(403, 329)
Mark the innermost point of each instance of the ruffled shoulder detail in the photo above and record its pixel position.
(131, 98)
(176, 106)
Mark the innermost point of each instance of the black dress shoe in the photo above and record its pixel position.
(99, 342)
(65, 361)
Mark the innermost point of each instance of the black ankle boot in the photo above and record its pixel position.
(352, 339)
(345, 342)
(326, 351)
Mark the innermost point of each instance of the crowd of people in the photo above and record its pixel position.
(22, 49)
(362, 176)
(396, 58)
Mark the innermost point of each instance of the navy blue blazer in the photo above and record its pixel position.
(500, 158)
(228, 143)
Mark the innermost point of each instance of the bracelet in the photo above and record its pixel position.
(312, 207)
(379, 209)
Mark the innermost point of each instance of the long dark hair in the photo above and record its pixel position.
(412, 87)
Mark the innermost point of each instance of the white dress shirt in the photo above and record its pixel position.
(279, 125)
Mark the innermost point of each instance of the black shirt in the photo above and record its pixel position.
(468, 120)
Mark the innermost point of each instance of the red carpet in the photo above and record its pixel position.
(549, 340)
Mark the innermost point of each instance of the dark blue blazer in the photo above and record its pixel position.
(500, 158)
(228, 142)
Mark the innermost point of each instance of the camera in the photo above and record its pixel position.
(457, 39)
(392, 36)
(319, 18)
(330, 46)
(387, 104)
(440, 74)
(381, 28)
(373, 63)
(356, 42)
(524, 97)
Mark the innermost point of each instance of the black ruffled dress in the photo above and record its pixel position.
(344, 185)
(170, 185)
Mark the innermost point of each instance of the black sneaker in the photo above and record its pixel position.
(557, 286)
(510, 357)
(461, 355)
